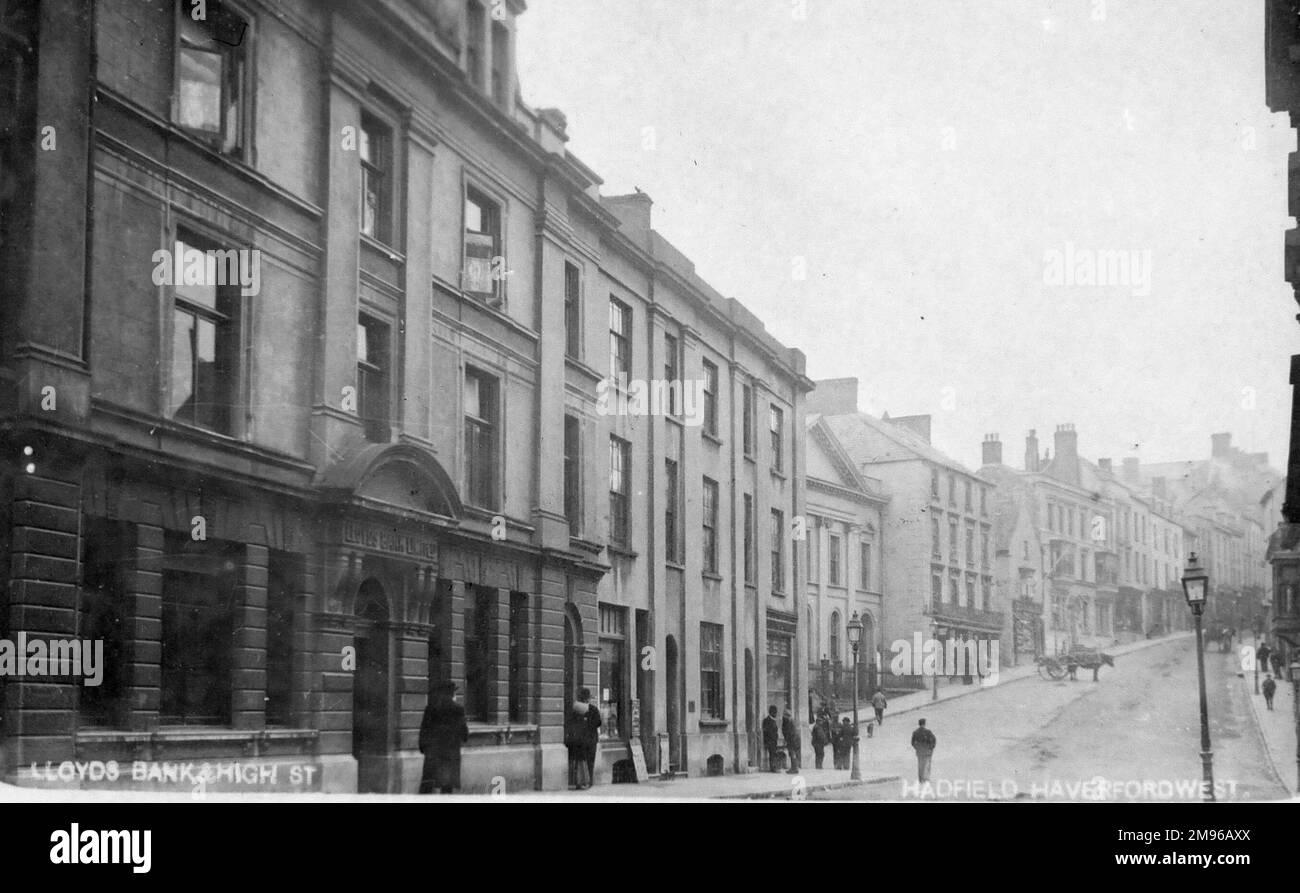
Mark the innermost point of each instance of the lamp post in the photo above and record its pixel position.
(855, 639)
(938, 634)
(1195, 582)
(1255, 658)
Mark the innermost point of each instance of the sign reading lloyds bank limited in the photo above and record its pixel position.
(389, 540)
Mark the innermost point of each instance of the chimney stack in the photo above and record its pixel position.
(1220, 445)
(1104, 465)
(1131, 465)
(1031, 451)
(992, 450)
(1067, 453)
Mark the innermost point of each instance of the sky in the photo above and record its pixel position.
(913, 192)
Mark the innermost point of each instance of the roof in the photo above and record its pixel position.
(856, 430)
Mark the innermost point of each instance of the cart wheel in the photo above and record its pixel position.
(1057, 672)
(1044, 671)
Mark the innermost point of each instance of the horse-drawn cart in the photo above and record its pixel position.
(1058, 666)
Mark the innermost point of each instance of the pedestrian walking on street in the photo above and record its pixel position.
(1275, 657)
(590, 731)
(1269, 687)
(821, 736)
(583, 719)
(879, 703)
(442, 731)
(843, 740)
(771, 741)
(924, 743)
(792, 743)
(1261, 656)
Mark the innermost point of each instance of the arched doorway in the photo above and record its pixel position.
(370, 744)
(572, 655)
(674, 706)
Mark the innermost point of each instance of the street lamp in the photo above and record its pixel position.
(1195, 582)
(855, 639)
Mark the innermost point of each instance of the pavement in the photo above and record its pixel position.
(1276, 728)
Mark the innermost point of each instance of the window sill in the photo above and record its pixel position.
(620, 549)
(383, 247)
(711, 575)
(712, 438)
(778, 474)
(713, 725)
(674, 565)
(750, 458)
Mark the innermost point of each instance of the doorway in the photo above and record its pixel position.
(674, 707)
(370, 737)
(751, 698)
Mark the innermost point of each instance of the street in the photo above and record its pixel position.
(1137, 728)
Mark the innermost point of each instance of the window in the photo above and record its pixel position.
(620, 342)
(573, 474)
(376, 179)
(778, 566)
(572, 311)
(952, 540)
(814, 551)
(197, 634)
(984, 549)
(108, 550)
(970, 504)
(710, 399)
(936, 591)
(970, 546)
(776, 425)
(835, 636)
(970, 591)
(483, 251)
(613, 656)
(934, 483)
(749, 539)
(934, 537)
(517, 681)
(481, 417)
(747, 418)
(984, 502)
(620, 489)
(712, 702)
(212, 74)
(500, 63)
(672, 374)
(475, 38)
(372, 379)
(710, 525)
(205, 338)
(833, 558)
(672, 524)
(954, 587)
(480, 653)
(283, 583)
(987, 594)
(864, 565)
(779, 649)
(952, 490)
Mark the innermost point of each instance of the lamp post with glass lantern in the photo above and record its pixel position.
(855, 640)
(1195, 583)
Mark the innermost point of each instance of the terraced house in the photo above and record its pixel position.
(305, 318)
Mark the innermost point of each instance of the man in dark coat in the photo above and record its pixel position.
(792, 744)
(1269, 688)
(771, 742)
(924, 743)
(821, 736)
(591, 735)
(1261, 656)
(442, 732)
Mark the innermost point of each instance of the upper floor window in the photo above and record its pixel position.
(481, 424)
(952, 489)
(970, 504)
(934, 483)
(712, 699)
(778, 565)
(620, 491)
(212, 74)
(672, 374)
(864, 565)
(204, 385)
(835, 636)
(672, 514)
(710, 525)
(500, 63)
(372, 378)
(620, 341)
(984, 502)
(475, 42)
(710, 399)
(573, 473)
(376, 151)
(833, 549)
(483, 252)
(934, 537)
(572, 311)
(749, 539)
(747, 418)
(776, 425)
